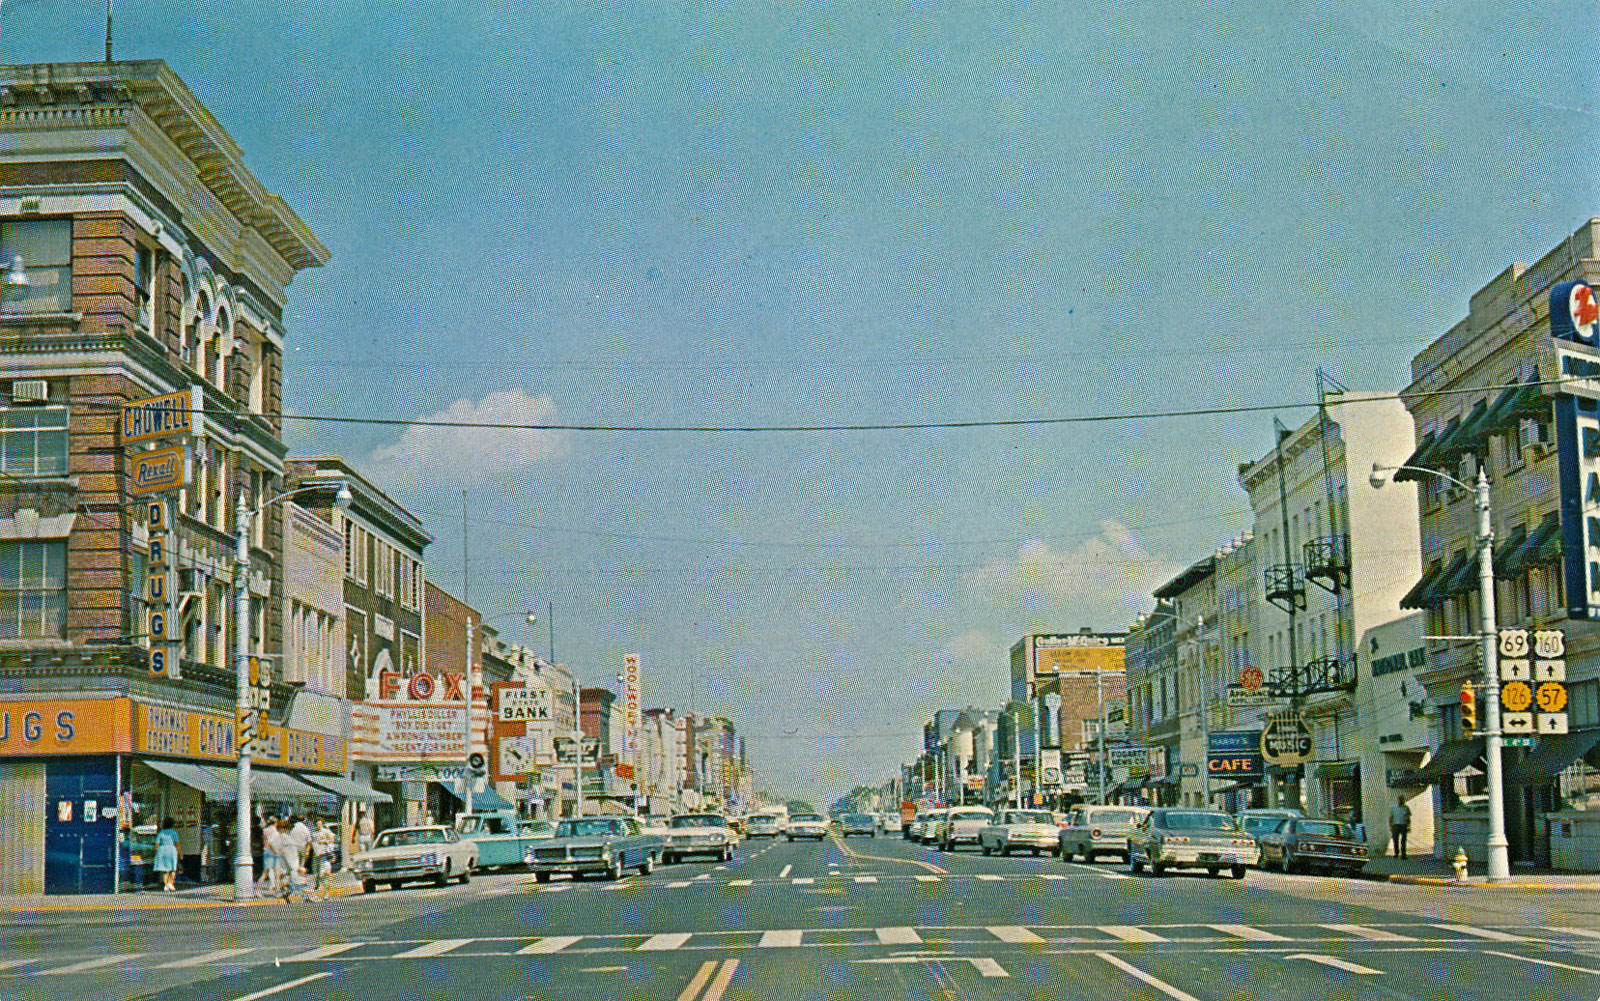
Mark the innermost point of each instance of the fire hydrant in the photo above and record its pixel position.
(1459, 863)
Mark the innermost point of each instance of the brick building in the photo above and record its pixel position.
(143, 259)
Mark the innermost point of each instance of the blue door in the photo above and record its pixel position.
(80, 825)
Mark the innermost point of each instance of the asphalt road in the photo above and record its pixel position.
(858, 919)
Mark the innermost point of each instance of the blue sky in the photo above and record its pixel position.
(845, 213)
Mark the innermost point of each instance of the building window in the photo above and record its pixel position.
(33, 589)
(45, 246)
(33, 441)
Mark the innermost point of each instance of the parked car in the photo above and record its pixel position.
(605, 845)
(1258, 821)
(1019, 830)
(761, 825)
(1098, 830)
(1190, 838)
(1301, 843)
(404, 854)
(736, 824)
(502, 838)
(699, 834)
(929, 820)
(654, 824)
(961, 825)
(858, 823)
(808, 825)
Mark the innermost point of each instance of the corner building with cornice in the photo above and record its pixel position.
(141, 258)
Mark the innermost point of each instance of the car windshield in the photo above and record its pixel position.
(857, 818)
(970, 815)
(587, 828)
(1030, 817)
(1190, 820)
(1261, 825)
(406, 838)
(1323, 828)
(698, 820)
(538, 828)
(1114, 817)
(807, 818)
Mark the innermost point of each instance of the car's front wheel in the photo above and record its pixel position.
(369, 886)
(1135, 863)
(648, 865)
(443, 879)
(466, 874)
(541, 877)
(614, 869)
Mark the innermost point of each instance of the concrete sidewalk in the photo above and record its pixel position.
(340, 884)
(1429, 870)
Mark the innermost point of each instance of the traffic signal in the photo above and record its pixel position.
(1469, 708)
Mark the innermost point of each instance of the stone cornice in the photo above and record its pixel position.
(102, 95)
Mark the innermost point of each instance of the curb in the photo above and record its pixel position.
(168, 905)
(1479, 883)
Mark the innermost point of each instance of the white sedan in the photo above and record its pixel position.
(401, 854)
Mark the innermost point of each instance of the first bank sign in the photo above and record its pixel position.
(1575, 320)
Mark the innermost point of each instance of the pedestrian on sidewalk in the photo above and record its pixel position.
(296, 847)
(323, 844)
(1399, 826)
(366, 831)
(272, 856)
(166, 861)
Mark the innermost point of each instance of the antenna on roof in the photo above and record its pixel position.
(108, 31)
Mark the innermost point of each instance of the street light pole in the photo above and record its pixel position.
(1497, 848)
(244, 883)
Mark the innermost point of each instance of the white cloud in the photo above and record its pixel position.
(973, 648)
(427, 454)
(1109, 575)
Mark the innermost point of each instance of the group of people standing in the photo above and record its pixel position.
(292, 850)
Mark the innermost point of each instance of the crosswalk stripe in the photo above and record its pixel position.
(1051, 875)
(1370, 934)
(547, 945)
(866, 879)
(704, 875)
(677, 884)
(624, 885)
(1128, 933)
(898, 936)
(322, 952)
(435, 948)
(555, 889)
(1488, 933)
(741, 882)
(926, 879)
(663, 943)
(780, 939)
(1580, 932)
(1013, 934)
(210, 957)
(988, 967)
(496, 891)
(803, 881)
(91, 964)
(1249, 933)
(988, 877)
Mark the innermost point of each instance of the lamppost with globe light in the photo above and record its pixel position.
(1496, 847)
(243, 517)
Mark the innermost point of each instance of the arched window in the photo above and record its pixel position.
(213, 367)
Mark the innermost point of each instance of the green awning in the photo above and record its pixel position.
(1541, 545)
(1505, 552)
(1464, 438)
(1440, 589)
(1413, 597)
(1415, 459)
(1529, 401)
(1555, 752)
(1496, 420)
(1448, 759)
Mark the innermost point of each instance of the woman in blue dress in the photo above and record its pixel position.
(166, 862)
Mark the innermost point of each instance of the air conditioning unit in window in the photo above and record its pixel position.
(30, 391)
(190, 580)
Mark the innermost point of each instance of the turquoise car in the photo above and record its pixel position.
(502, 838)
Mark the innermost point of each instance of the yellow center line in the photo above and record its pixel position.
(698, 982)
(881, 858)
(714, 992)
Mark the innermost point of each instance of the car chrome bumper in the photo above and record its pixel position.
(1201, 859)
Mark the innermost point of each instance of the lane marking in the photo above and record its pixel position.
(210, 957)
(1488, 933)
(286, 986)
(1370, 934)
(929, 866)
(704, 875)
(741, 882)
(1013, 934)
(698, 980)
(1128, 933)
(554, 889)
(1542, 962)
(90, 964)
(1249, 933)
(677, 884)
(664, 942)
(989, 967)
(926, 879)
(989, 877)
(803, 881)
(547, 945)
(785, 871)
(1338, 964)
(1160, 985)
(785, 939)
(322, 952)
(866, 879)
(720, 984)
(898, 936)
(1051, 875)
(10, 963)
(435, 948)
(1579, 932)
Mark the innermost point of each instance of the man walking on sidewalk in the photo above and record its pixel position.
(1399, 826)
